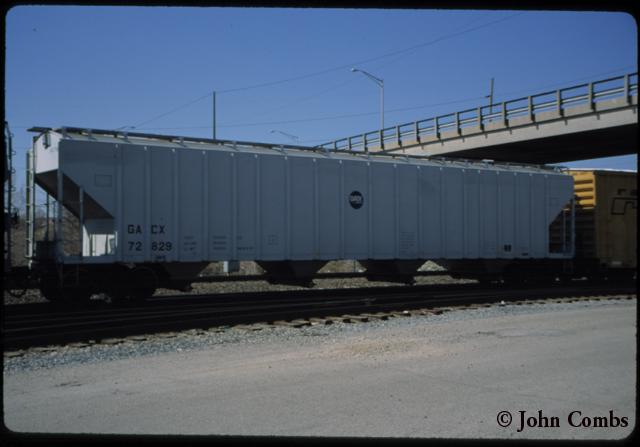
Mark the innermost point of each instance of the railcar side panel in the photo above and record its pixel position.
(506, 206)
(431, 208)
(161, 203)
(471, 214)
(523, 215)
(272, 207)
(539, 227)
(606, 224)
(407, 215)
(221, 204)
(453, 213)
(302, 209)
(133, 203)
(330, 209)
(356, 203)
(489, 222)
(616, 218)
(245, 186)
(190, 196)
(383, 212)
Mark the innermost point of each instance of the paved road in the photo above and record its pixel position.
(415, 377)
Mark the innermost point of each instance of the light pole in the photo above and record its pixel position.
(293, 137)
(380, 83)
(490, 96)
(213, 133)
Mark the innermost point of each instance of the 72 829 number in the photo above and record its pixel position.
(161, 246)
(155, 246)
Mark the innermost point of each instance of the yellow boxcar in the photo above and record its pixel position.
(606, 220)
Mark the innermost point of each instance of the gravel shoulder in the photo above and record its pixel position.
(445, 375)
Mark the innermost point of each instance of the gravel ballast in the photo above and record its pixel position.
(197, 339)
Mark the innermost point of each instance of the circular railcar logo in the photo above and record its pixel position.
(356, 200)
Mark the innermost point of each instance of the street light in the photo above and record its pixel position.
(490, 96)
(380, 83)
(293, 137)
(213, 132)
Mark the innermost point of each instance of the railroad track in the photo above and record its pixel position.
(45, 324)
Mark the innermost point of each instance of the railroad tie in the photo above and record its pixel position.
(78, 344)
(137, 337)
(167, 334)
(378, 316)
(245, 327)
(331, 320)
(293, 323)
(316, 321)
(113, 341)
(300, 323)
(404, 313)
(251, 327)
(354, 318)
(282, 323)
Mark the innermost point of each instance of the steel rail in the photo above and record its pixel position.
(24, 331)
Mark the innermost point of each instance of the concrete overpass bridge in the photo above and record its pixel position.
(597, 119)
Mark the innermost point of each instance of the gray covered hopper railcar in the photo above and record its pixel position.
(169, 206)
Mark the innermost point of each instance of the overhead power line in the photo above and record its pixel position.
(329, 70)
(322, 118)
(404, 109)
(372, 59)
(349, 81)
(172, 110)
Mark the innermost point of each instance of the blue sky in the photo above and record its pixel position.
(155, 67)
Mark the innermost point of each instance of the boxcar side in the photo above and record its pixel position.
(606, 221)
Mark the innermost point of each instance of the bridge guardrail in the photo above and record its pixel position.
(558, 100)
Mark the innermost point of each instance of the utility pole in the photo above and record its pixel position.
(214, 114)
(491, 97)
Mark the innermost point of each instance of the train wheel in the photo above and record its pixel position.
(117, 295)
(65, 295)
(514, 279)
(487, 281)
(50, 288)
(143, 283)
(78, 294)
(117, 290)
(53, 294)
(564, 279)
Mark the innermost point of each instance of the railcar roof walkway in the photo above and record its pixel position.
(592, 120)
